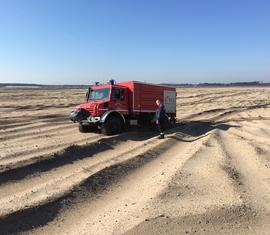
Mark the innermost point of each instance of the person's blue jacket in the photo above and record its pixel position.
(160, 112)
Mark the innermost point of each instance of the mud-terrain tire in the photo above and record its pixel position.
(86, 128)
(112, 126)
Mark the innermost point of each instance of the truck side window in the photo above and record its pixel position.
(118, 94)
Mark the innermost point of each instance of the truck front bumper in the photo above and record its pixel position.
(83, 116)
(78, 115)
(92, 119)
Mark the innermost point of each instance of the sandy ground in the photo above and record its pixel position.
(210, 175)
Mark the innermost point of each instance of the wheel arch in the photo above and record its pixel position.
(111, 113)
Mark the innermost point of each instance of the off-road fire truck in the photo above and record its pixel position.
(113, 106)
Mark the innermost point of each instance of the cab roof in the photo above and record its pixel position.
(97, 87)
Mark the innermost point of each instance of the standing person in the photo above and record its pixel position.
(160, 118)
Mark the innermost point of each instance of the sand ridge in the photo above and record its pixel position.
(209, 175)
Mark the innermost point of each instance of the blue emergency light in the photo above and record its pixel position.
(112, 81)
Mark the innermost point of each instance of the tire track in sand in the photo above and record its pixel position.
(144, 152)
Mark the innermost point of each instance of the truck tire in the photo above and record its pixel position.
(112, 126)
(172, 122)
(86, 128)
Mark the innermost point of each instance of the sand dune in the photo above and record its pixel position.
(209, 175)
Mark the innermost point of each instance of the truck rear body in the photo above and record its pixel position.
(142, 97)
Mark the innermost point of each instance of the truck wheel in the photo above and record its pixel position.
(172, 122)
(112, 126)
(86, 128)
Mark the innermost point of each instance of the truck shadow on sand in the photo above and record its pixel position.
(198, 129)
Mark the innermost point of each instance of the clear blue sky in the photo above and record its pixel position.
(184, 41)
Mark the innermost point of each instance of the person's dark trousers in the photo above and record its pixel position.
(161, 128)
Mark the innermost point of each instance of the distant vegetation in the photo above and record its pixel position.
(244, 84)
(32, 85)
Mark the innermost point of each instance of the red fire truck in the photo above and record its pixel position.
(113, 106)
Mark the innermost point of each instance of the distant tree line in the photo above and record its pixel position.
(254, 83)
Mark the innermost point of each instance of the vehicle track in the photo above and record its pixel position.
(64, 178)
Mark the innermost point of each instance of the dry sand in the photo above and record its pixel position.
(210, 175)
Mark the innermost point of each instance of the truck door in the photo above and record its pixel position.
(120, 100)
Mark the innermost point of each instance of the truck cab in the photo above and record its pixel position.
(100, 99)
(103, 102)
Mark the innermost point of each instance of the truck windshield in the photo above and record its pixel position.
(100, 94)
